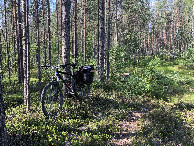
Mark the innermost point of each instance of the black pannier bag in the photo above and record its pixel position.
(88, 74)
(78, 76)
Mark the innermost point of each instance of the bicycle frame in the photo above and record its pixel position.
(59, 77)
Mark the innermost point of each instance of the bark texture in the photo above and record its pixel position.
(101, 40)
(3, 131)
(26, 55)
(66, 6)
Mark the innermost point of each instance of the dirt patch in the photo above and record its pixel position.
(128, 128)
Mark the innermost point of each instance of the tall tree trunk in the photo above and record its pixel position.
(66, 6)
(101, 41)
(94, 46)
(193, 27)
(81, 27)
(0, 56)
(171, 31)
(6, 41)
(152, 40)
(57, 33)
(61, 16)
(44, 32)
(164, 30)
(108, 40)
(26, 56)
(75, 31)
(98, 36)
(148, 41)
(19, 45)
(28, 59)
(84, 31)
(72, 32)
(49, 32)
(14, 32)
(3, 131)
(116, 27)
(177, 29)
(157, 35)
(38, 40)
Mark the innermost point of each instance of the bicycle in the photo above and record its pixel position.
(77, 86)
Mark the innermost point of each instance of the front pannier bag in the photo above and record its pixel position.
(88, 74)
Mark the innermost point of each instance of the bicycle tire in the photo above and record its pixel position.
(51, 99)
(80, 89)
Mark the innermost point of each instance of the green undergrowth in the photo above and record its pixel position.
(166, 126)
(152, 82)
(93, 122)
(161, 90)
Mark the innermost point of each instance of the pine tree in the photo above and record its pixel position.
(66, 6)
(3, 131)
(101, 40)
(75, 31)
(26, 55)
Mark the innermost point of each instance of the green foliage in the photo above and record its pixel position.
(96, 120)
(165, 126)
(188, 58)
(151, 82)
(118, 59)
(77, 123)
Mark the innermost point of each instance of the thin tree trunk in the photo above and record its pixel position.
(148, 41)
(19, 45)
(101, 41)
(3, 130)
(72, 33)
(177, 28)
(17, 42)
(24, 50)
(14, 32)
(84, 31)
(0, 56)
(108, 40)
(94, 47)
(49, 32)
(44, 32)
(116, 27)
(171, 31)
(38, 41)
(61, 16)
(152, 41)
(26, 56)
(81, 27)
(75, 31)
(98, 50)
(6, 41)
(28, 59)
(193, 27)
(57, 33)
(164, 30)
(66, 6)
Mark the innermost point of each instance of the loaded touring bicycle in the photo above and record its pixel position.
(78, 86)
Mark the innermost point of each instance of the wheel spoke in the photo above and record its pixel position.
(51, 99)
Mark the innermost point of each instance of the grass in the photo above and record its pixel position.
(161, 93)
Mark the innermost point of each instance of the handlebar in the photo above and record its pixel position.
(47, 66)
(69, 64)
(62, 65)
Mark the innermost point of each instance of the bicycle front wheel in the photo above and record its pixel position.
(51, 99)
(81, 90)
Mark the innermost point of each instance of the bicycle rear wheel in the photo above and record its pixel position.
(51, 99)
(81, 90)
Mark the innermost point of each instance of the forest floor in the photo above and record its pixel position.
(125, 111)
